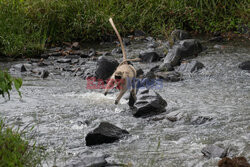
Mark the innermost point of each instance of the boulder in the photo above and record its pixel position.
(105, 133)
(20, 67)
(185, 48)
(245, 65)
(190, 66)
(149, 56)
(105, 67)
(212, 151)
(169, 76)
(177, 35)
(148, 103)
(90, 162)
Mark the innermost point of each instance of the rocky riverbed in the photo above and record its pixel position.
(205, 84)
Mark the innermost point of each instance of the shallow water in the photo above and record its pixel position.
(64, 111)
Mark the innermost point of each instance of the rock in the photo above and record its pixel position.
(216, 39)
(219, 47)
(55, 49)
(148, 103)
(190, 66)
(41, 64)
(105, 67)
(245, 65)
(149, 56)
(74, 61)
(81, 53)
(63, 60)
(166, 67)
(139, 72)
(75, 46)
(20, 67)
(126, 41)
(92, 52)
(116, 51)
(185, 48)
(171, 76)
(149, 39)
(198, 120)
(152, 45)
(44, 74)
(90, 162)
(212, 151)
(177, 35)
(234, 162)
(139, 33)
(175, 116)
(105, 133)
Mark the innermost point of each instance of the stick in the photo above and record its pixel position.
(120, 39)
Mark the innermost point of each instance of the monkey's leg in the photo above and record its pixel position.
(110, 85)
(122, 91)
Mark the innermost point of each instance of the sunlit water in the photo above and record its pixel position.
(64, 111)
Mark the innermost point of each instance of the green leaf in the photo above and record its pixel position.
(18, 83)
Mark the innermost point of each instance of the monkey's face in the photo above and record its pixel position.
(119, 75)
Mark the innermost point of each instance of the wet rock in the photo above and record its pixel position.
(149, 56)
(139, 72)
(105, 133)
(185, 48)
(139, 33)
(44, 74)
(245, 65)
(75, 46)
(116, 51)
(148, 103)
(92, 52)
(216, 39)
(152, 45)
(149, 39)
(177, 35)
(63, 60)
(169, 76)
(126, 41)
(90, 162)
(190, 66)
(175, 116)
(234, 162)
(80, 53)
(212, 151)
(74, 61)
(105, 67)
(42, 64)
(198, 120)
(166, 67)
(20, 67)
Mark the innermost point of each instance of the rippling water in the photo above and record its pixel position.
(64, 111)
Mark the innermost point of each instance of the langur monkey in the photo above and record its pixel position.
(124, 73)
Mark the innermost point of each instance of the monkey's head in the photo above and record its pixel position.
(119, 75)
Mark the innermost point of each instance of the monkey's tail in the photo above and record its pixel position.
(120, 40)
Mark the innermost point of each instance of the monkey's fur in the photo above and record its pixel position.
(125, 73)
(234, 162)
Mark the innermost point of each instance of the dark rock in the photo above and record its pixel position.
(116, 51)
(72, 56)
(105, 67)
(139, 33)
(245, 65)
(81, 53)
(212, 151)
(148, 104)
(171, 76)
(64, 60)
(105, 133)
(126, 41)
(44, 74)
(166, 67)
(155, 68)
(177, 35)
(92, 52)
(41, 64)
(198, 120)
(149, 56)
(75, 46)
(90, 162)
(185, 48)
(190, 66)
(20, 67)
(139, 72)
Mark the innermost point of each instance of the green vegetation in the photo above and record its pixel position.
(6, 82)
(27, 26)
(15, 151)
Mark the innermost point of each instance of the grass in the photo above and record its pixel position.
(16, 151)
(28, 26)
